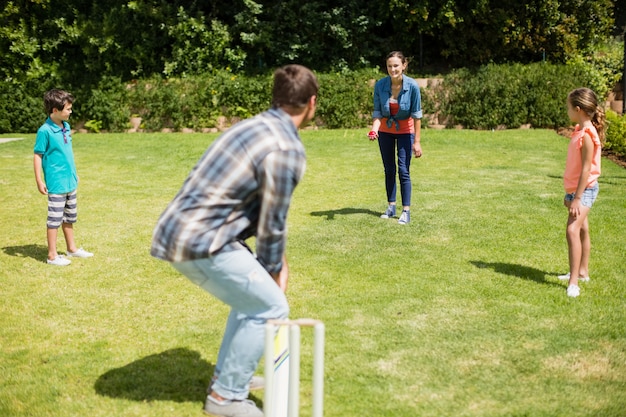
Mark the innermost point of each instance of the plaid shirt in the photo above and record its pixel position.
(241, 187)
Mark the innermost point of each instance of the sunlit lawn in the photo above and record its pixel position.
(459, 313)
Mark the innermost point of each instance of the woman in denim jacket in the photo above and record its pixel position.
(397, 120)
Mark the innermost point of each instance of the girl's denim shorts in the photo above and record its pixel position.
(589, 196)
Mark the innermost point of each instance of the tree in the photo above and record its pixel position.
(482, 31)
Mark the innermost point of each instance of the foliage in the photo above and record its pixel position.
(486, 97)
(106, 106)
(512, 95)
(198, 101)
(200, 48)
(615, 140)
(159, 102)
(483, 31)
(94, 126)
(21, 105)
(323, 35)
(604, 65)
(346, 99)
(88, 39)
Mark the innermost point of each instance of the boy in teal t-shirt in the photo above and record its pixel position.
(54, 156)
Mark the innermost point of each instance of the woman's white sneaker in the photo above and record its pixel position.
(59, 261)
(80, 253)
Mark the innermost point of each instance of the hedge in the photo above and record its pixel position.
(489, 97)
(615, 140)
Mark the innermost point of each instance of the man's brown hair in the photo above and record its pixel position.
(294, 85)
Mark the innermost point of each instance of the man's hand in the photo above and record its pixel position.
(282, 277)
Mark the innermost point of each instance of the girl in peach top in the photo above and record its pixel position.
(580, 181)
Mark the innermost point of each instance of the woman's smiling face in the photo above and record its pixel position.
(395, 67)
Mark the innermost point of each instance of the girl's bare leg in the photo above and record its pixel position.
(585, 241)
(579, 244)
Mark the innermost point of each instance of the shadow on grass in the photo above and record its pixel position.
(178, 375)
(518, 271)
(330, 214)
(604, 179)
(37, 252)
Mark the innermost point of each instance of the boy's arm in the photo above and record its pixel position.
(41, 186)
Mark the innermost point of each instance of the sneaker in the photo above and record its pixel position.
(80, 253)
(566, 278)
(390, 212)
(573, 291)
(256, 383)
(229, 408)
(59, 261)
(405, 217)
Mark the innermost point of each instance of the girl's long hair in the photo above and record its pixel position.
(587, 100)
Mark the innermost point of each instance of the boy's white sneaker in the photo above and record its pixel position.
(80, 253)
(60, 260)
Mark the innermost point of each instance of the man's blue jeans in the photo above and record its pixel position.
(387, 144)
(238, 279)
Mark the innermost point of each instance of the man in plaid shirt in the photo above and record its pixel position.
(240, 188)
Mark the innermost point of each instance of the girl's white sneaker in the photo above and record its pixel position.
(573, 291)
(566, 278)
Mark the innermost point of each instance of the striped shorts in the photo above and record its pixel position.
(61, 209)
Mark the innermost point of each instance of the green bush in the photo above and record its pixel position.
(615, 140)
(198, 101)
(484, 98)
(240, 96)
(512, 95)
(105, 107)
(21, 108)
(492, 96)
(346, 99)
(158, 102)
(604, 65)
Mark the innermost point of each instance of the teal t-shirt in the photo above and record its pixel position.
(55, 145)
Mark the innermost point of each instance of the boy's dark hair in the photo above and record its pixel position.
(294, 85)
(56, 99)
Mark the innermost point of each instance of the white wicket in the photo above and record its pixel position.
(294, 366)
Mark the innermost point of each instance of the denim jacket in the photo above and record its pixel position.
(409, 100)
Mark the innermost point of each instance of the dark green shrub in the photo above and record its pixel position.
(603, 65)
(241, 96)
(615, 140)
(158, 102)
(21, 108)
(485, 98)
(105, 107)
(345, 100)
(197, 102)
(512, 95)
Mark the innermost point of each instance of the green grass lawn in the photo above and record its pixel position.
(460, 313)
